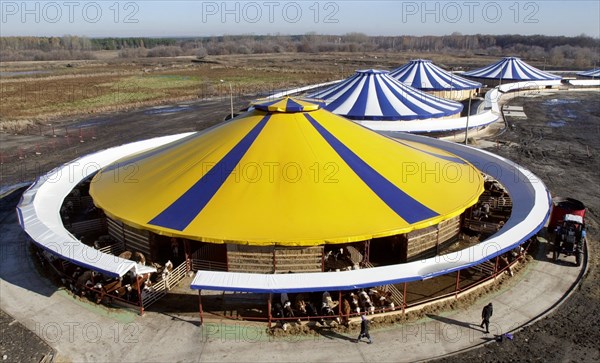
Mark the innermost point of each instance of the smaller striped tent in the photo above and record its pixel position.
(424, 75)
(374, 95)
(592, 73)
(510, 69)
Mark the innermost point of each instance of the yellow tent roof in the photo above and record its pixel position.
(287, 173)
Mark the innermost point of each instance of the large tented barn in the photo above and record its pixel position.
(592, 73)
(508, 70)
(275, 189)
(374, 95)
(422, 74)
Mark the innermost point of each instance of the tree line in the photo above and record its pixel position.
(580, 51)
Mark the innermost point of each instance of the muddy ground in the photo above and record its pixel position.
(559, 142)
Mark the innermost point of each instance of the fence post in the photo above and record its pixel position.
(139, 290)
(186, 251)
(457, 283)
(200, 306)
(340, 304)
(404, 299)
(269, 308)
(496, 268)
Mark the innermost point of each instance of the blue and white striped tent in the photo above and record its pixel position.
(511, 69)
(374, 95)
(593, 73)
(424, 75)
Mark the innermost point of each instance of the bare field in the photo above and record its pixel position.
(39, 92)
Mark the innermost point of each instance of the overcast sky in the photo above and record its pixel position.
(205, 18)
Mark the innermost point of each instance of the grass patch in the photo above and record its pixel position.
(156, 82)
(109, 99)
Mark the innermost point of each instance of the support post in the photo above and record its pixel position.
(404, 299)
(139, 290)
(496, 267)
(186, 251)
(269, 308)
(467, 126)
(457, 284)
(340, 304)
(200, 307)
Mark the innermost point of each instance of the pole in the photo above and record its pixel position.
(496, 268)
(404, 299)
(340, 304)
(467, 126)
(457, 283)
(269, 308)
(200, 306)
(231, 98)
(140, 300)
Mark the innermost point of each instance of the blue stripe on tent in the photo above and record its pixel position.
(343, 97)
(360, 105)
(417, 110)
(429, 101)
(180, 214)
(401, 203)
(531, 73)
(387, 109)
(417, 82)
(292, 106)
(515, 70)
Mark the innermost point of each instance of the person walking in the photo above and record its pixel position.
(364, 329)
(486, 314)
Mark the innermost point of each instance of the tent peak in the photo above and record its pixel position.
(287, 104)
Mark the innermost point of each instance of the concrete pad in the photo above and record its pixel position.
(512, 108)
(515, 114)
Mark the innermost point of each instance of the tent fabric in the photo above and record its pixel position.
(511, 68)
(531, 209)
(287, 178)
(424, 75)
(39, 211)
(375, 95)
(287, 104)
(592, 73)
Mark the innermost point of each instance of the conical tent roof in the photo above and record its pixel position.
(511, 68)
(374, 95)
(297, 176)
(592, 73)
(424, 75)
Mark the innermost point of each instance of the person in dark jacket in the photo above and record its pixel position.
(364, 329)
(486, 314)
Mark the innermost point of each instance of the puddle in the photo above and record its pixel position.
(559, 123)
(556, 102)
(158, 111)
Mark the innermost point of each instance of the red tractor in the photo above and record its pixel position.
(569, 238)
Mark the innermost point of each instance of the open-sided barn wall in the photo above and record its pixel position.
(427, 241)
(253, 259)
(135, 240)
(308, 259)
(269, 259)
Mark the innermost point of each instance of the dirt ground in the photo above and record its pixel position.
(559, 142)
